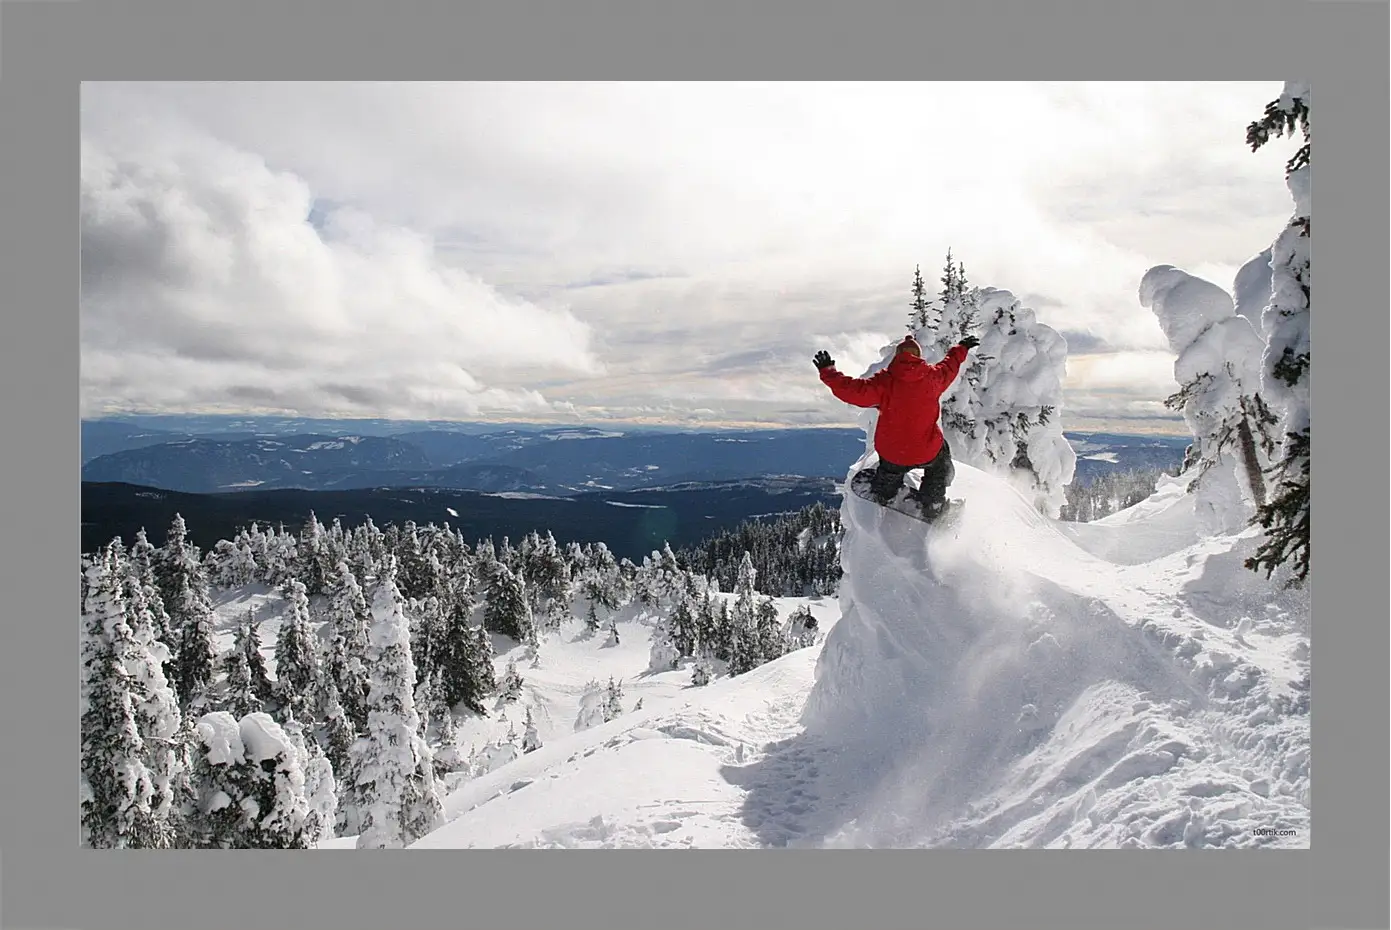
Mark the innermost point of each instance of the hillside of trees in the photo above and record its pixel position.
(386, 635)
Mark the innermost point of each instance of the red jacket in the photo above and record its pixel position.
(908, 394)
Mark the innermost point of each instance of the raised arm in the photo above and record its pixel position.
(945, 371)
(861, 392)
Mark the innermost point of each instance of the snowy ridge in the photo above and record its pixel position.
(1018, 682)
(1003, 686)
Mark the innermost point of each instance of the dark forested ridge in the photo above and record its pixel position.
(631, 523)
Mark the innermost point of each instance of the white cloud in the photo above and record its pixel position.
(204, 280)
(605, 243)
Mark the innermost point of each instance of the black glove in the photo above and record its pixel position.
(823, 359)
(970, 342)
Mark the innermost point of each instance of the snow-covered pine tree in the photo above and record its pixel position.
(281, 817)
(745, 650)
(249, 784)
(414, 576)
(682, 626)
(427, 637)
(510, 688)
(709, 636)
(449, 756)
(921, 317)
(427, 702)
(1002, 413)
(1285, 325)
(172, 559)
(339, 734)
(261, 684)
(320, 788)
(219, 783)
(663, 655)
(239, 698)
(143, 559)
(115, 789)
(183, 586)
(459, 659)
(1218, 371)
(601, 585)
(482, 672)
(625, 581)
(393, 768)
(531, 741)
(348, 619)
(321, 793)
(771, 638)
(184, 747)
(315, 571)
(548, 582)
(507, 612)
(156, 704)
(613, 700)
(296, 658)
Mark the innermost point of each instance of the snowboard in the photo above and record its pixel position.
(904, 504)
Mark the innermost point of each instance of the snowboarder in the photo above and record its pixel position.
(908, 394)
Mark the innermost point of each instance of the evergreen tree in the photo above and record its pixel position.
(602, 585)
(682, 626)
(348, 619)
(613, 701)
(771, 638)
(261, 685)
(427, 638)
(507, 612)
(510, 688)
(1285, 323)
(296, 659)
(321, 793)
(548, 581)
(920, 318)
(240, 698)
(320, 787)
(459, 659)
(663, 655)
(249, 784)
(183, 588)
(449, 757)
(744, 647)
(156, 705)
(530, 740)
(393, 768)
(143, 559)
(339, 734)
(116, 789)
(481, 672)
(1218, 370)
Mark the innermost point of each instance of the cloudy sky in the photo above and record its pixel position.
(634, 252)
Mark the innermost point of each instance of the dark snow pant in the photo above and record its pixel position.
(937, 475)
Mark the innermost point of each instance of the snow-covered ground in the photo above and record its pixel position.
(1012, 682)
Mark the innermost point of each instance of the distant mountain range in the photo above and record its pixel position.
(559, 461)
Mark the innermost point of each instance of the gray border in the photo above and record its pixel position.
(48, 47)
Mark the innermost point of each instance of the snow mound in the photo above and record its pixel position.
(995, 683)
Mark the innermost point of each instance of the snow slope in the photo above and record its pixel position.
(1013, 682)
(1002, 685)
